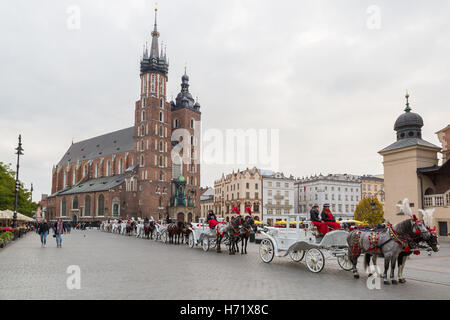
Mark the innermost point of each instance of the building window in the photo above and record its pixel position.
(75, 203)
(63, 207)
(87, 206)
(101, 206)
(192, 123)
(161, 117)
(153, 83)
(108, 168)
(120, 166)
(115, 209)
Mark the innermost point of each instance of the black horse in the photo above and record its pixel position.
(248, 226)
(149, 228)
(234, 234)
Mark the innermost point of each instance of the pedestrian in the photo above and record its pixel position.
(43, 229)
(59, 229)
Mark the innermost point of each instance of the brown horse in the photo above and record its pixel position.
(175, 231)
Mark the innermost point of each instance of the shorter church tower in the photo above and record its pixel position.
(401, 161)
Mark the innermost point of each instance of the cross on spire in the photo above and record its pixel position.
(407, 109)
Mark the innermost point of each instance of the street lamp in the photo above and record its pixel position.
(19, 152)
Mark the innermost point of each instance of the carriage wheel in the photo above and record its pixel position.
(191, 240)
(345, 263)
(315, 261)
(205, 244)
(266, 252)
(165, 237)
(296, 255)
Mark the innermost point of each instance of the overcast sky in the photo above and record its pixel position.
(330, 75)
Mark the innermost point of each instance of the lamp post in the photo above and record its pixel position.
(19, 152)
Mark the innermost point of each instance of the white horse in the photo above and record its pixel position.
(140, 229)
(123, 227)
(115, 227)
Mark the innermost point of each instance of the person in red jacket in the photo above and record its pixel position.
(315, 219)
(328, 218)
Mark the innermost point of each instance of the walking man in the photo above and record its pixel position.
(43, 229)
(60, 228)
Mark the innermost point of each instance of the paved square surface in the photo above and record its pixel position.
(119, 267)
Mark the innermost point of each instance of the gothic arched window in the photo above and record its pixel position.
(101, 205)
(75, 203)
(63, 207)
(87, 206)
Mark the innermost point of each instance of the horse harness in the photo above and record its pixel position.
(374, 238)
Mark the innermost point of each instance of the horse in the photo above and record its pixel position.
(247, 226)
(417, 242)
(150, 229)
(233, 234)
(174, 230)
(123, 227)
(185, 231)
(388, 243)
(139, 229)
(222, 230)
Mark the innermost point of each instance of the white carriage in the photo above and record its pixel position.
(202, 234)
(302, 240)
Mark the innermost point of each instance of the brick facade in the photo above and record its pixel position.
(143, 163)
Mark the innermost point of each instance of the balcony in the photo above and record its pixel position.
(437, 200)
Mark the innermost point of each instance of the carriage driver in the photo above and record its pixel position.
(328, 218)
(211, 219)
(322, 227)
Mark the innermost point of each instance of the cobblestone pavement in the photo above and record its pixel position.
(118, 267)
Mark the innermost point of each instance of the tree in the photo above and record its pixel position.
(7, 192)
(364, 211)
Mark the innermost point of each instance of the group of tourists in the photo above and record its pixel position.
(325, 221)
(58, 227)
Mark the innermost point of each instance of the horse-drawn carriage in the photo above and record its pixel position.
(302, 240)
(202, 234)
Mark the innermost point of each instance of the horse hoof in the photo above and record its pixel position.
(386, 282)
(394, 282)
(356, 276)
(402, 280)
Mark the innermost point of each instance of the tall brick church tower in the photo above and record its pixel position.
(155, 121)
(130, 172)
